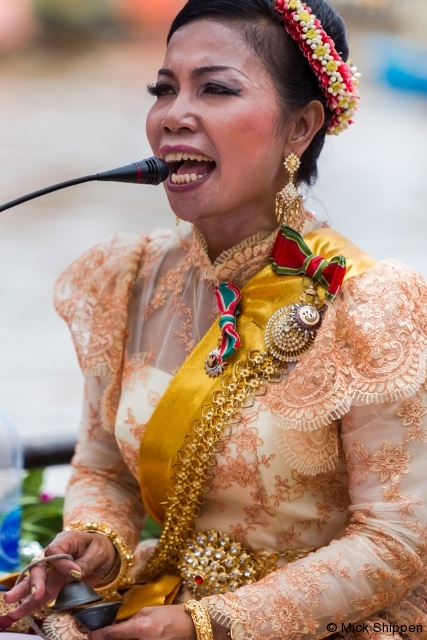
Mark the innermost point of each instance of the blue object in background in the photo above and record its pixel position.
(399, 64)
(11, 458)
(403, 78)
(10, 530)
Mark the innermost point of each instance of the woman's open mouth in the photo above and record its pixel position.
(186, 168)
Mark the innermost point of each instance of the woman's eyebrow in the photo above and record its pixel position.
(196, 73)
(166, 72)
(211, 69)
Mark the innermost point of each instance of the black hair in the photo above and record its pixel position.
(295, 81)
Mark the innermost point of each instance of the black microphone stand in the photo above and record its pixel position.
(42, 192)
(149, 171)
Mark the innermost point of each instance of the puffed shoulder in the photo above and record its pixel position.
(93, 295)
(371, 348)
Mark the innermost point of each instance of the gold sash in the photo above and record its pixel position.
(191, 389)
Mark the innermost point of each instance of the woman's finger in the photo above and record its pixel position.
(37, 581)
(131, 629)
(28, 606)
(170, 622)
(98, 558)
(94, 554)
(34, 584)
(54, 582)
(21, 591)
(70, 544)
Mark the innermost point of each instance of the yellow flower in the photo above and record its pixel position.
(304, 16)
(311, 33)
(321, 50)
(294, 4)
(332, 65)
(337, 86)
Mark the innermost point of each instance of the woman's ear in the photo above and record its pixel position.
(308, 121)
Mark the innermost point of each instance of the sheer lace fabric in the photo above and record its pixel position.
(379, 557)
(350, 419)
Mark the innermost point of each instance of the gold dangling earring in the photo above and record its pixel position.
(288, 201)
(177, 220)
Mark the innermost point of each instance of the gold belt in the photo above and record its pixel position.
(212, 563)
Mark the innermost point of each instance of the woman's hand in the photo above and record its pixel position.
(94, 556)
(157, 623)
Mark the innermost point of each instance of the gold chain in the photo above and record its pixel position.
(193, 471)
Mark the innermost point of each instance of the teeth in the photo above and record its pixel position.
(187, 178)
(178, 157)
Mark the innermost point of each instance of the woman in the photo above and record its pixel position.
(281, 444)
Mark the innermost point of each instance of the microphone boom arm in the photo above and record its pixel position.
(42, 192)
(149, 171)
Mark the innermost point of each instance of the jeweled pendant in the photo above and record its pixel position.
(291, 331)
(214, 364)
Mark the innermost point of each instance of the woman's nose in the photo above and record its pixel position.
(180, 117)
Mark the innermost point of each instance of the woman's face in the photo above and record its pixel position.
(218, 124)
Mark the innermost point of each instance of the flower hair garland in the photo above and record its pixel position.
(339, 81)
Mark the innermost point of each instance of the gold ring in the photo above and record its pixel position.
(40, 556)
(48, 565)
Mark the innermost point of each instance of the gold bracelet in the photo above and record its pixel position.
(126, 557)
(201, 619)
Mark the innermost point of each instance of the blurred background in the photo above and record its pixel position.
(73, 101)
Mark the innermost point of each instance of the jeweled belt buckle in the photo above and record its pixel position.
(213, 563)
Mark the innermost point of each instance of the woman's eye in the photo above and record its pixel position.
(158, 90)
(211, 87)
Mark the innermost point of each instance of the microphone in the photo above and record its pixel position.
(150, 171)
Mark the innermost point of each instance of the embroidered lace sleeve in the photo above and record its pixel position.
(102, 489)
(93, 297)
(379, 337)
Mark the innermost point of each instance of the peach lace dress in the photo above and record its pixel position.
(332, 457)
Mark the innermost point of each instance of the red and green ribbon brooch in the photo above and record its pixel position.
(291, 331)
(291, 256)
(227, 298)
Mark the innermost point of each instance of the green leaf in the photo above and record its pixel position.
(33, 483)
(41, 521)
(27, 501)
(43, 530)
(151, 530)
